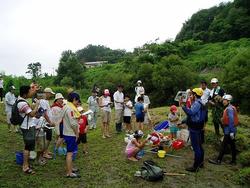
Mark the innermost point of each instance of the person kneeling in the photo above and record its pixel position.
(135, 145)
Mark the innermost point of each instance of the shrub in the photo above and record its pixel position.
(244, 158)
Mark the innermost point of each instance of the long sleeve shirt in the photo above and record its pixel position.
(194, 111)
(9, 101)
(230, 128)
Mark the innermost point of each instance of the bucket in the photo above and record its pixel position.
(161, 153)
(19, 157)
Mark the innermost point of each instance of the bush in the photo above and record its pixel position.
(242, 142)
(244, 176)
(244, 158)
(62, 90)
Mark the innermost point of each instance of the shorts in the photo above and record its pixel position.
(173, 129)
(48, 134)
(118, 115)
(82, 138)
(127, 119)
(129, 152)
(106, 116)
(29, 145)
(140, 119)
(71, 143)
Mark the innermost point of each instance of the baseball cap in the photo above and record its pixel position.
(48, 90)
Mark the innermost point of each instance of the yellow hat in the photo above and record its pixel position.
(198, 91)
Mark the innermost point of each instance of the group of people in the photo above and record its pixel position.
(71, 125)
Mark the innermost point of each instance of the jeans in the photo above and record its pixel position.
(195, 137)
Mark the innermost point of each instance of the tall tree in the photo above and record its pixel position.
(35, 70)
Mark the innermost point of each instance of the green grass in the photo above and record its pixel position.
(106, 165)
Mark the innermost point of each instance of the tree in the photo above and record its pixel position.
(35, 70)
(70, 70)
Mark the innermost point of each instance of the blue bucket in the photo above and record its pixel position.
(19, 157)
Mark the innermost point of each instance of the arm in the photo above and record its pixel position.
(193, 110)
(35, 109)
(230, 113)
(139, 144)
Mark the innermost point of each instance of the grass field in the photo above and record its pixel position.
(106, 165)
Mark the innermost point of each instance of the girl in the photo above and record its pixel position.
(127, 113)
(135, 145)
(173, 119)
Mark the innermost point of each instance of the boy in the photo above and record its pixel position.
(127, 113)
(139, 112)
(83, 128)
(119, 101)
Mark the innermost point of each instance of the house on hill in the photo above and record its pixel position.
(94, 64)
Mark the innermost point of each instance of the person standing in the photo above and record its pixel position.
(10, 99)
(1, 88)
(146, 103)
(195, 124)
(215, 100)
(94, 107)
(71, 131)
(27, 127)
(229, 121)
(139, 89)
(204, 100)
(105, 105)
(44, 103)
(119, 101)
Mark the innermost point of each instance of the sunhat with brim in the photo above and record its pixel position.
(48, 90)
(59, 96)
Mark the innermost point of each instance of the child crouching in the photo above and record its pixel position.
(135, 145)
(83, 127)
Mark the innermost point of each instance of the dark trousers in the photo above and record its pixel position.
(217, 128)
(195, 137)
(227, 140)
(118, 127)
(1, 94)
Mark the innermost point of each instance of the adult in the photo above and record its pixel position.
(204, 100)
(44, 103)
(9, 101)
(70, 131)
(105, 105)
(146, 103)
(229, 120)
(215, 100)
(57, 110)
(119, 101)
(94, 107)
(27, 127)
(1, 88)
(138, 89)
(195, 125)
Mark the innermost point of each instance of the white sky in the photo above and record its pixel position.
(39, 30)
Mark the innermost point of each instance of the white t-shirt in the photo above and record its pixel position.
(57, 114)
(105, 102)
(45, 105)
(118, 97)
(24, 109)
(93, 104)
(38, 122)
(1, 83)
(205, 96)
(127, 110)
(9, 101)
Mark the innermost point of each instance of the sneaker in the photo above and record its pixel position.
(103, 136)
(216, 162)
(192, 169)
(108, 136)
(73, 175)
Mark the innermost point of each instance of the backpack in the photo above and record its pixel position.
(16, 118)
(151, 172)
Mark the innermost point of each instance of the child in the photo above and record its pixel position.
(127, 113)
(173, 119)
(105, 105)
(139, 112)
(83, 127)
(135, 145)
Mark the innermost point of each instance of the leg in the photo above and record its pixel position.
(217, 128)
(224, 143)
(233, 148)
(26, 154)
(195, 137)
(132, 155)
(69, 164)
(95, 119)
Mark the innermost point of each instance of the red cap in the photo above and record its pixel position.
(173, 108)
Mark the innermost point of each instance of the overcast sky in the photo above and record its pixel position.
(39, 30)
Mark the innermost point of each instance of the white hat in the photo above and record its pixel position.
(139, 81)
(80, 109)
(214, 80)
(227, 97)
(59, 96)
(12, 87)
(48, 90)
(106, 92)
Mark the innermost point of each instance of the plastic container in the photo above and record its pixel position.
(178, 144)
(161, 153)
(19, 158)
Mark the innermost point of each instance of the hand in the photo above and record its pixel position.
(77, 136)
(148, 137)
(232, 136)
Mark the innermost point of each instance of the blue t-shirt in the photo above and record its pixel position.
(139, 109)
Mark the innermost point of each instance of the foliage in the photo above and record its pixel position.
(35, 70)
(244, 176)
(244, 158)
(228, 21)
(70, 70)
(237, 79)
